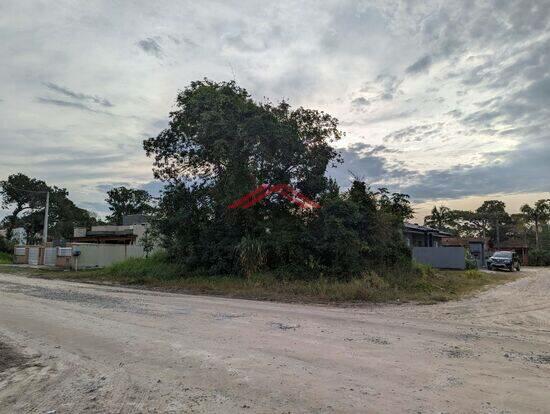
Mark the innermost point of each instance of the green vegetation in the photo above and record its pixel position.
(219, 146)
(5, 258)
(490, 220)
(5, 245)
(420, 283)
(124, 201)
(26, 198)
(539, 257)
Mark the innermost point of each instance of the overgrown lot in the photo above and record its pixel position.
(5, 258)
(421, 283)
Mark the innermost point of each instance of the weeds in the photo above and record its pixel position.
(5, 258)
(417, 283)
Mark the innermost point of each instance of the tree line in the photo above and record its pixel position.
(25, 198)
(219, 145)
(490, 220)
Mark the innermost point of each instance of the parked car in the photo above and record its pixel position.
(504, 260)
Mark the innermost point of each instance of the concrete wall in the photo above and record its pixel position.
(91, 255)
(441, 257)
(101, 255)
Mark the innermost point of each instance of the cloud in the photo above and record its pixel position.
(524, 170)
(77, 95)
(415, 133)
(153, 187)
(368, 162)
(59, 102)
(103, 188)
(68, 104)
(361, 101)
(450, 96)
(421, 65)
(151, 47)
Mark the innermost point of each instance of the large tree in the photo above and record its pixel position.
(441, 219)
(494, 212)
(23, 195)
(220, 145)
(126, 201)
(539, 214)
(27, 197)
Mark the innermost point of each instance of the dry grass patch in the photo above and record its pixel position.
(420, 284)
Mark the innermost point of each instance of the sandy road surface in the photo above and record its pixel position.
(101, 349)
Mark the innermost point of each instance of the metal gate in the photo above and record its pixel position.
(50, 256)
(34, 254)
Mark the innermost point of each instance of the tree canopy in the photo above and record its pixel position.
(26, 197)
(124, 201)
(220, 145)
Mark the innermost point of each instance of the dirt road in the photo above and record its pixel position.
(84, 348)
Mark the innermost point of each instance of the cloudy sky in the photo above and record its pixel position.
(448, 101)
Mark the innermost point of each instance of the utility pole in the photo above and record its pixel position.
(46, 217)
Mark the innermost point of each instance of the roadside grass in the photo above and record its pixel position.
(5, 258)
(419, 284)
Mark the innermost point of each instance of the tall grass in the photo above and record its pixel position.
(5, 258)
(416, 282)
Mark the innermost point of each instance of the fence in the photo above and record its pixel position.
(89, 255)
(101, 255)
(441, 257)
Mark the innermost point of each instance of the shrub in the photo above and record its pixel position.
(471, 262)
(155, 267)
(6, 246)
(219, 145)
(5, 258)
(539, 258)
(251, 255)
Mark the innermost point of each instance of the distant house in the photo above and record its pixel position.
(518, 246)
(423, 236)
(131, 232)
(426, 247)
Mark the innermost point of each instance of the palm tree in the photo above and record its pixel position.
(440, 218)
(537, 215)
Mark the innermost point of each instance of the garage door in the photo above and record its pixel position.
(34, 253)
(50, 256)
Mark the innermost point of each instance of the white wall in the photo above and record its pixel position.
(102, 255)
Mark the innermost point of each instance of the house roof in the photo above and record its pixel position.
(461, 241)
(416, 228)
(109, 233)
(513, 244)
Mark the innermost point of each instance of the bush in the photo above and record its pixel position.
(219, 145)
(5, 258)
(155, 267)
(471, 262)
(539, 258)
(6, 246)
(251, 255)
